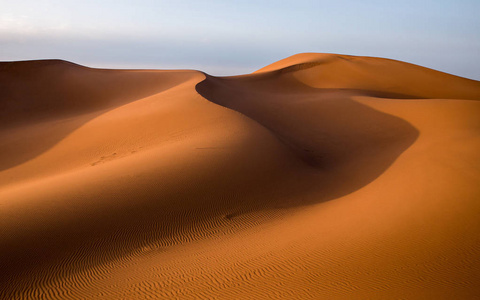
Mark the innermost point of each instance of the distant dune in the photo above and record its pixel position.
(320, 176)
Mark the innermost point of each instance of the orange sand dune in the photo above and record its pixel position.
(320, 176)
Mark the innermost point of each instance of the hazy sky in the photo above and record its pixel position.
(235, 37)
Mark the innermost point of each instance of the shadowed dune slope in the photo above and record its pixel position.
(319, 176)
(42, 101)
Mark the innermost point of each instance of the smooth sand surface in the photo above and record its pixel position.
(320, 176)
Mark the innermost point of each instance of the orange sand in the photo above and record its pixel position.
(318, 177)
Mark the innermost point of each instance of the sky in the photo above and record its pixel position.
(238, 37)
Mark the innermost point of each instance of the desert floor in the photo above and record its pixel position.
(320, 176)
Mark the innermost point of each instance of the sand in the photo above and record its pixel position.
(320, 176)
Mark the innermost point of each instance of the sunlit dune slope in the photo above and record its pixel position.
(319, 176)
(374, 74)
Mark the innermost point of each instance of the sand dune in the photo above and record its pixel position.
(320, 176)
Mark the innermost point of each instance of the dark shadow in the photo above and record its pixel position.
(348, 143)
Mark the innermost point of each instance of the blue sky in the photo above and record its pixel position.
(236, 37)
